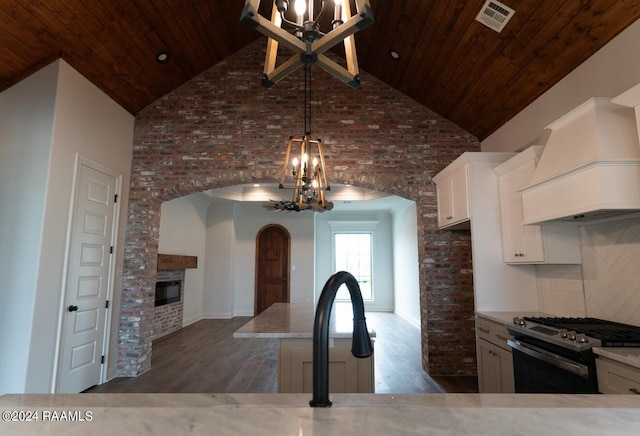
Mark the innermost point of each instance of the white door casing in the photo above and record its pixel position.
(89, 278)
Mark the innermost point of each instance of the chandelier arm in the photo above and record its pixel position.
(337, 35)
(251, 18)
(323, 173)
(317, 20)
(282, 71)
(272, 44)
(293, 24)
(338, 71)
(350, 43)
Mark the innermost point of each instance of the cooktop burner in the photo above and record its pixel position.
(610, 334)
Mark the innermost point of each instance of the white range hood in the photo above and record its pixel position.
(590, 166)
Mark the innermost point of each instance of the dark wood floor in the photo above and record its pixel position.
(204, 357)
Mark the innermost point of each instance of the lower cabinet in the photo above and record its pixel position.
(347, 374)
(495, 361)
(495, 368)
(617, 378)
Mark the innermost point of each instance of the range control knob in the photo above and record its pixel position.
(519, 321)
(581, 338)
(571, 335)
(563, 333)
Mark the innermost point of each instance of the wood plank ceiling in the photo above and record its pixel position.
(449, 62)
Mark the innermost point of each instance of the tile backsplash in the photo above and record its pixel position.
(560, 290)
(606, 285)
(611, 270)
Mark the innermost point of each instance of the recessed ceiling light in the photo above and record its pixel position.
(394, 55)
(256, 185)
(162, 57)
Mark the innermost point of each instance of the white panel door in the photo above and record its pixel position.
(88, 280)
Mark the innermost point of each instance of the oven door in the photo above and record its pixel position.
(537, 370)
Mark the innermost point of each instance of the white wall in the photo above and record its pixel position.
(218, 262)
(249, 219)
(82, 120)
(611, 71)
(383, 281)
(26, 127)
(182, 226)
(231, 234)
(228, 230)
(405, 263)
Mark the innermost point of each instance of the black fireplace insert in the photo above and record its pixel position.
(168, 292)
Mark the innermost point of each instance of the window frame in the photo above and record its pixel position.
(367, 228)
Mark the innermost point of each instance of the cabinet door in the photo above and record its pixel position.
(520, 244)
(505, 372)
(346, 373)
(495, 368)
(617, 378)
(453, 198)
(487, 380)
(445, 202)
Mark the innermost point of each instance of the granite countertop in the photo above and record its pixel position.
(289, 414)
(295, 321)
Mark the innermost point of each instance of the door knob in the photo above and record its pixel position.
(72, 308)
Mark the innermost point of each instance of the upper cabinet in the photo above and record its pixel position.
(453, 199)
(536, 244)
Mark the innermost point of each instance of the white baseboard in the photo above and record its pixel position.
(414, 322)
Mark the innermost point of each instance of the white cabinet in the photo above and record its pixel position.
(495, 361)
(536, 244)
(617, 378)
(497, 286)
(453, 199)
(346, 372)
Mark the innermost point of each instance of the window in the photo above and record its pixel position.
(352, 253)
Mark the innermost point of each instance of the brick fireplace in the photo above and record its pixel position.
(222, 128)
(168, 317)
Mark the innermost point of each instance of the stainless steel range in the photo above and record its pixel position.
(554, 355)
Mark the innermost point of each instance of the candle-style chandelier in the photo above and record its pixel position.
(306, 172)
(299, 31)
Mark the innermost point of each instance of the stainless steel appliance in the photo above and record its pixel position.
(554, 355)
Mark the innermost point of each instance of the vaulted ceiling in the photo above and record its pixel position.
(449, 62)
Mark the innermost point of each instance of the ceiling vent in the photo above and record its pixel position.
(495, 15)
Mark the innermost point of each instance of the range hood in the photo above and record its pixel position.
(589, 169)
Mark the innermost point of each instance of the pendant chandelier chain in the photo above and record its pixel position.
(307, 100)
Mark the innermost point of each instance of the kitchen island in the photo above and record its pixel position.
(292, 324)
(289, 414)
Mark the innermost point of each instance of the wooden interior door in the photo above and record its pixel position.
(273, 245)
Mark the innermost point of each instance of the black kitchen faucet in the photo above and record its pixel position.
(361, 345)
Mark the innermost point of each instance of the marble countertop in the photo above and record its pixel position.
(630, 356)
(295, 321)
(289, 414)
(507, 317)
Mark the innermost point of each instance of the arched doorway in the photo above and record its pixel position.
(273, 260)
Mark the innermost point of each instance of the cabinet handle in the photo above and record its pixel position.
(449, 217)
(483, 329)
(518, 254)
(504, 338)
(635, 391)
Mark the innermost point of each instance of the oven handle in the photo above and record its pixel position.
(550, 358)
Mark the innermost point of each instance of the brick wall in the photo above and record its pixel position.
(222, 128)
(168, 317)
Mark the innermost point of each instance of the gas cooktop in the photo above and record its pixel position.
(610, 334)
(577, 334)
